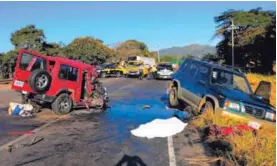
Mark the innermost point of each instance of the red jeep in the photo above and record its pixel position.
(61, 82)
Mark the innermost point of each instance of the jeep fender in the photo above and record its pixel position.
(63, 91)
(204, 99)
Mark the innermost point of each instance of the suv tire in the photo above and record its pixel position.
(62, 104)
(173, 98)
(207, 107)
(40, 81)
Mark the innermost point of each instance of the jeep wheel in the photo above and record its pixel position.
(103, 75)
(173, 99)
(118, 74)
(40, 81)
(62, 104)
(207, 107)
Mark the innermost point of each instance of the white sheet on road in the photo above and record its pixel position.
(160, 128)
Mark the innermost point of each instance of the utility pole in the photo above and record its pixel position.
(232, 28)
(158, 56)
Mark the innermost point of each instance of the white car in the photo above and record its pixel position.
(164, 71)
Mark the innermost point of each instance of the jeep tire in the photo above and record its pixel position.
(62, 104)
(40, 81)
(173, 97)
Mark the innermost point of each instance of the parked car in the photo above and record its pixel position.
(164, 71)
(100, 68)
(59, 82)
(206, 86)
(113, 70)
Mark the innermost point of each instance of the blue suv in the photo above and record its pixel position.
(208, 86)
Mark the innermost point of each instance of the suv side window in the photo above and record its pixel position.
(68, 73)
(202, 74)
(184, 66)
(193, 69)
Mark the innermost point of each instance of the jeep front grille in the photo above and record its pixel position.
(257, 112)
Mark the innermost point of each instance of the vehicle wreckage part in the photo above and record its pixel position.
(62, 104)
(40, 81)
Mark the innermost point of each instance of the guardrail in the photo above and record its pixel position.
(5, 81)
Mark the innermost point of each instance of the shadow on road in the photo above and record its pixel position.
(131, 161)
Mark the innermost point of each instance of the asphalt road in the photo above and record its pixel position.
(104, 138)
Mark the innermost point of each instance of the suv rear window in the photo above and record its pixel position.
(68, 73)
(30, 62)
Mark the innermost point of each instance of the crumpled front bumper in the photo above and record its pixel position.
(243, 116)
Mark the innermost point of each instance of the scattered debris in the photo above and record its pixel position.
(24, 110)
(146, 107)
(160, 128)
(215, 130)
(34, 141)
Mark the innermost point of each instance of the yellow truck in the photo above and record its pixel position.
(113, 70)
(138, 66)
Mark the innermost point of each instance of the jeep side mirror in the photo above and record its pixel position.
(263, 91)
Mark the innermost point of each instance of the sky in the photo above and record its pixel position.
(158, 24)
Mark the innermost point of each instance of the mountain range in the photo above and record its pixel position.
(194, 50)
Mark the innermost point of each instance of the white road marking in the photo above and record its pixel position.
(171, 153)
(25, 136)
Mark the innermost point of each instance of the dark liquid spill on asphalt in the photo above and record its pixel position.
(127, 113)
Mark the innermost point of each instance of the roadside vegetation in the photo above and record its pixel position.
(248, 149)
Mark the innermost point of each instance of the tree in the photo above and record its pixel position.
(209, 56)
(88, 50)
(29, 37)
(53, 49)
(133, 48)
(249, 38)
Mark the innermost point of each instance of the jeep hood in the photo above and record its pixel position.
(237, 95)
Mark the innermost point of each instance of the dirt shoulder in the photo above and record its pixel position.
(5, 86)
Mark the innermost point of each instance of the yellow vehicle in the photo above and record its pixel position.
(114, 69)
(137, 68)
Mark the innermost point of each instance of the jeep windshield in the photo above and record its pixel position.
(230, 80)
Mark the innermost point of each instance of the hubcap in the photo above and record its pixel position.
(41, 81)
(64, 105)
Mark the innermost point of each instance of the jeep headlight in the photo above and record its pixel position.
(231, 105)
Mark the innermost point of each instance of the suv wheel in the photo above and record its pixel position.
(40, 81)
(207, 107)
(62, 104)
(173, 99)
